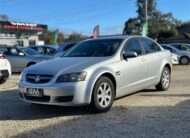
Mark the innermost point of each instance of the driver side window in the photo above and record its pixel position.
(133, 45)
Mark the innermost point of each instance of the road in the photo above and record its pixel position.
(144, 114)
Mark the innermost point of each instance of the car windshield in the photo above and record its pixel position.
(95, 48)
(30, 51)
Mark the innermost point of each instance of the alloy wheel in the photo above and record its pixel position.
(166, 78)
(184, 60)
(104, 94)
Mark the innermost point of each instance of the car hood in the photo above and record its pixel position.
(39, 57)
(67, 65)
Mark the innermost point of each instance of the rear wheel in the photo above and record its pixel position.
(165, 80)
(184, 60)
(103, 95)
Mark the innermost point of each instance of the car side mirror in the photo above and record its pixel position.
(127, 55)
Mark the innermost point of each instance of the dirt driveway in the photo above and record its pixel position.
(145, 114)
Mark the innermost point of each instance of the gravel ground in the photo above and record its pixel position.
(144, 114)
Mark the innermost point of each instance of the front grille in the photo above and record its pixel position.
(37, 99)
(64, 99)
(38, 78)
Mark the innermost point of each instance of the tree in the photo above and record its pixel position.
(141, 9)
(60, 38)
(160, 25)
(75, 37)
(46, 37)
(132, 26)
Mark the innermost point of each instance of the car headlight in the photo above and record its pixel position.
(21, 77)
(72, 77)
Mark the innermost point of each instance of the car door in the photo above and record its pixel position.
(153, 54)
(17, 59)
(133, 70)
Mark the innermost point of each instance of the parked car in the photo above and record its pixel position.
(45, 50)
(174, 55)
(5, 69)
(64, 48)
(183, 55)
(21, 58)
(181, 46)
(96, 71)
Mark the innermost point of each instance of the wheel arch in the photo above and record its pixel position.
(30, 63)
(168, 66)
(165, 64)
(97, 76)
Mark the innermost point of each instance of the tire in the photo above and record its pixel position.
(3, 80)
(184, 60)
(165, 80)
(103, 95)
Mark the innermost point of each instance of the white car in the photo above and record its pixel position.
(182, 55)
(5, 69)
(175, 59)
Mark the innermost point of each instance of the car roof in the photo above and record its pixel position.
(45, 46)
(121, 37)
(113, 37)
(179, 44)
(170, 46)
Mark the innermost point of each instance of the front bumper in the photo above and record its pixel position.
(64, 94)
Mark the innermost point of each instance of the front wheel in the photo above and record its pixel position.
(165, 80)
(103, 95)
(3, 80)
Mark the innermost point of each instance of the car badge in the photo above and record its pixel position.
(37, 79)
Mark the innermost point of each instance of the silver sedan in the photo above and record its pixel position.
(96, 71)
(21, 58)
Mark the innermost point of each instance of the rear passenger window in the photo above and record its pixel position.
(133, 45)
(149, 46)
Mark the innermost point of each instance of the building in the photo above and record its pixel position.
(20, 33)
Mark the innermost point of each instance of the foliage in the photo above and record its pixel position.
(160, 25)
(151, 8)
(46, 37)
(60, 38)
(132, 26)
(75, 37)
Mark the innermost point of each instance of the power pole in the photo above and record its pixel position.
(145, 24)
(146, 10)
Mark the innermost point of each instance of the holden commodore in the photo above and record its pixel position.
(97, 71)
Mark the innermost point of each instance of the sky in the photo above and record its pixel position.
(82, 15)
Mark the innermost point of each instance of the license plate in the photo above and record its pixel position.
(34, 92)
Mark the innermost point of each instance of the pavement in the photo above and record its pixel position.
(145, 114)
